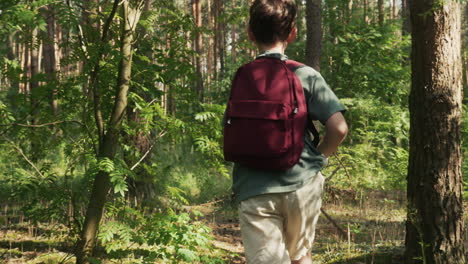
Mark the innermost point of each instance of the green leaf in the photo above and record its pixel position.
(346, 60)
(187, 255)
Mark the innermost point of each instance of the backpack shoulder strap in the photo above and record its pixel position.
(293, 66)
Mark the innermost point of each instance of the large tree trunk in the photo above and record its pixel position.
(314, 33)
(435, 212)
(108, 146)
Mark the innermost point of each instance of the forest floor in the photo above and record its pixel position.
(368, 229)
(353, 229)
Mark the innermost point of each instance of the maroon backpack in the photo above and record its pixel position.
(266, 115)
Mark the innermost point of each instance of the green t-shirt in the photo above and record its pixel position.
(321, 104)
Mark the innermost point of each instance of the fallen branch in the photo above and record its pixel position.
(212, 202)
(43, 125)
(342, 165)
(340, 230)
(332, 174)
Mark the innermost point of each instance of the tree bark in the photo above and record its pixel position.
(216, 36)
(405, 15)
(33, 85)
(196, 10)
(131, 11)
(435, 212)
(233, 36)
(221, 41)
(365, 11)
(394, 9)
(24, 60)
(50, 57)
(380, 7)
(314, 33)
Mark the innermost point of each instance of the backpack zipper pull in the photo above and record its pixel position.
(296, 109)
(228, 121)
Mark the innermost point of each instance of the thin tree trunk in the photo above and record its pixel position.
(300, 17)
(91, 28)
(166, 87)
(221, 41)
(196, 9)
(11, 55)
(380, 7)
(405, 15)
(50, 57)
(33, 85)
(107, 149)
(24, 61)
(209, 55)
(314, 33)
(434, 229)
(233, 36)
(215, 16)
(366, 16)
(395, 9)
(348, 12)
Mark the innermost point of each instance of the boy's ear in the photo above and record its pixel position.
(251, 35)
(292, 35)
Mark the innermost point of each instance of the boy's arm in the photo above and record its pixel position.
(335, 132)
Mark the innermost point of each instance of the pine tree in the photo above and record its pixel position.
(435, 211)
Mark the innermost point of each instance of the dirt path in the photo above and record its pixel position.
(223, 221)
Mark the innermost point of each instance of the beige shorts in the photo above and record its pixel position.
(279, 227)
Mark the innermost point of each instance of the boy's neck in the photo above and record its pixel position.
(278, 47)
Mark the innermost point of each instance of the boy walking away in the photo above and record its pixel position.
(276, 176)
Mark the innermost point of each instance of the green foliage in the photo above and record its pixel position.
(376, 151)
(156, 236)
(6, 117)
(171, 143)
(366, 61)
(367, 67)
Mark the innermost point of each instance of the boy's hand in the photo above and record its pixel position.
(335, 132)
